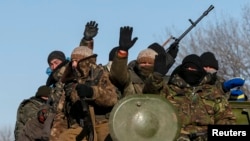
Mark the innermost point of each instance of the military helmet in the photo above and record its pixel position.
(143, 118)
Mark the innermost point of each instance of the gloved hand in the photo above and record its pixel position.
(173, 49)
(42, 115)
(232, 83)
(84, 91)
(125, 42)
(91, 30)
(160, 64)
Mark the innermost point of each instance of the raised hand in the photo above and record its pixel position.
(125, 41)
(91, 30)
(160, 64)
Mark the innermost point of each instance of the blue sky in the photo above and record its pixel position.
(30, 30)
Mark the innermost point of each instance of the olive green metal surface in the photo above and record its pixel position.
(144, 118)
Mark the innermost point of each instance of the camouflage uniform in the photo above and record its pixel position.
(214, 79)
(58, 95)
(198, 106)
(35, 130)
(130, 78)
(104, 98)
(27, 110)
(198, 103)
(57, 98)
(124, 78)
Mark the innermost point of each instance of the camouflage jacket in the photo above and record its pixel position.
(218, 82)
(36, 131)
(54, 81)
(57, 99)
(198, 106)
(26, 111)
(126, 79)
(104, 92)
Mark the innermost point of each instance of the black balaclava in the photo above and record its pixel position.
(208, 59)
(192, 77)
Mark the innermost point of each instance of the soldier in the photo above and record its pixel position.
(198, 106)
(29, 108)
(87, 83)
(211, 66)
(131, 79)
(57, 63)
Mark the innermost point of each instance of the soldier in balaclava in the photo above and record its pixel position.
(198, 105)
(211, 66)
(130, 78)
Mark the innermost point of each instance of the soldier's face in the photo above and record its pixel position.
(146, 64)
(74, 63)
(209, 69)
(54, 63)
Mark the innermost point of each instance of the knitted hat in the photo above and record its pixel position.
(56, 55)
(190, 76)
(146, 55)
(43, 91)
(208, 59)
(81, 52)
(192, 60)
(157, 48)
(112, 53)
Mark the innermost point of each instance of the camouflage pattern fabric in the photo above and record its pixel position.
(214, 79)
(125, 79)
(104, 97)
(26, 111)
(34, 130)
(58, 98)
(198, 107)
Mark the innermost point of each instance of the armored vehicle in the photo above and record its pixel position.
(144, 118)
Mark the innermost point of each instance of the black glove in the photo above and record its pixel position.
(125, 42)
(160, 64)
(91, 30)
(173, 49)
(84, 91)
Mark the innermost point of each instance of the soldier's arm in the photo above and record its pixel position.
(89, 44)
(223, 112)
(155, 81)
(153, 84)
(119, 73)
(90, 31)
(104, 93)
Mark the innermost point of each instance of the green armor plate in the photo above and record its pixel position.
(145, 117)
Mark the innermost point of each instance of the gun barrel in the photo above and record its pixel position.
(193, 24)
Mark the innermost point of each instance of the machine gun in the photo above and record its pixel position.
(193, 24)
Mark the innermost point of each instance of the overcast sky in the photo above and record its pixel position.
(30, 30)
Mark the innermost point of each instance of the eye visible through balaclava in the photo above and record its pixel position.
(191, 70)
